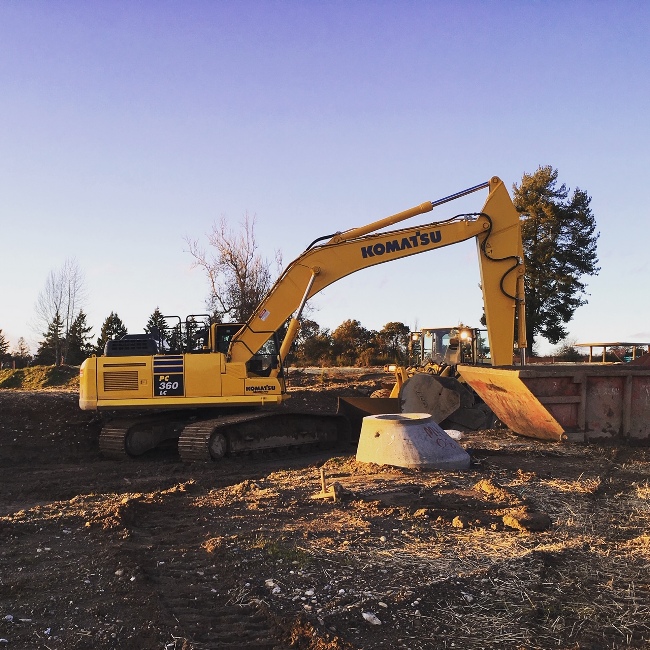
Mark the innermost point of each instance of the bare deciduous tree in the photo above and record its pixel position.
(61, 298)
(22, 351)
(238, 275)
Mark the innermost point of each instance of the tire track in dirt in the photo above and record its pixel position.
(198, 596)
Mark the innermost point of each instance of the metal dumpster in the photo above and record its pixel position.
(579, 402)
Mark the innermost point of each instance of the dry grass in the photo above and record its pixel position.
(585, 583)
(581, 584)
(39, 377)
(643, 491)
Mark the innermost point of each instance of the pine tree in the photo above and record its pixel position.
(79, 340)
(113, 328)
(157, 325)
(50, 348)
(4, 347)
(559, 236)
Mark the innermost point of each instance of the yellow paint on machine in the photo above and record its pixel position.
(128, 382)
(203, 376)
(124, 378)
(190, 402)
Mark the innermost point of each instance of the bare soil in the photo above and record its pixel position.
(538, 545)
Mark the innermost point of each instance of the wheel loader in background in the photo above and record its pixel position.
(219, 389)
(441, 347)
(431, 382)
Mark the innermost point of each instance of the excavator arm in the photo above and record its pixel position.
(498, 234)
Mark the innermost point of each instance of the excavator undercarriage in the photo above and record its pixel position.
(205, 438)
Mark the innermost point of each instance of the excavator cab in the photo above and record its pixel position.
(222, 334)
(262, 363)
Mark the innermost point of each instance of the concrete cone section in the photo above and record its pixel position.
(409, 440)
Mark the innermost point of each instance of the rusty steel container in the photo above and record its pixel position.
(578, 402)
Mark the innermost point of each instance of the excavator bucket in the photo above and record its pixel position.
(578, 402)
(512, 401)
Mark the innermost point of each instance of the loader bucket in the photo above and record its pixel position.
(441, 397)
(356, 408)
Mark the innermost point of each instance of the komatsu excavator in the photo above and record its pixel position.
(217, 396)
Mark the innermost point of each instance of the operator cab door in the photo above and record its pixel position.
(262, 363)
(266, 359)
(224, 334)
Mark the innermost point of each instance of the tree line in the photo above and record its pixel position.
(349, 344)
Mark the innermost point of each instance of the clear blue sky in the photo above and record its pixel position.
(125, 127)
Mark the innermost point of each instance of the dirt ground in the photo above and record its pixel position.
(537, 545)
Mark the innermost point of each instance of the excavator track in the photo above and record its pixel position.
(128, 438)
(112, 441)
(194, 443)
(214, 438)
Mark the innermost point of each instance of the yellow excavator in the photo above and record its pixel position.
(216, 393)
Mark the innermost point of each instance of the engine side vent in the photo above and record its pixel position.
(126, 380)
(130, 346)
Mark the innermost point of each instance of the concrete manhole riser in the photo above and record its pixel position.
(412, 440)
